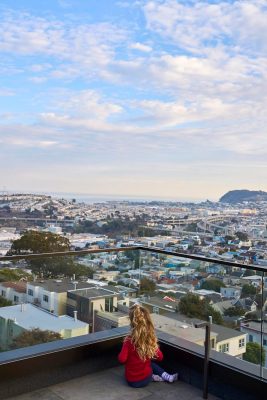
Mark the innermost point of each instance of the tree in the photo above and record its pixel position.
(4, 302)
(147, 286)
(255, 353)
(248, 290)
(242, 236)
(194, 307)
(52, 266)
(212, 284)
(234, 312)
(39, 242)
(7, 275)
(34, 336)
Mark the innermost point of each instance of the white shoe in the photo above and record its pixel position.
(169, 378)
(157, 378)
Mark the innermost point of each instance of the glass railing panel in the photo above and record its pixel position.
(82, 293)
(180, 291)
(68, 295)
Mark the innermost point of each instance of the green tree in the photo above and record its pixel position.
(7, 275)
(4, 302)
(194, 307)
(212, 284)
(242, 236)
(34, 336)
(248, 290)
(50, 266)
(147, 286)
(234, 312)
(255, 353)
(39, 242)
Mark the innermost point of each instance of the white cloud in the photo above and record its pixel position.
(38, 79)
(87, 46)
(141, 47)
(238, 24)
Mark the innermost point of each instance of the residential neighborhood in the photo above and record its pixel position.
(102, 286)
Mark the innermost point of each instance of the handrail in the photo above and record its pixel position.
(137, 247)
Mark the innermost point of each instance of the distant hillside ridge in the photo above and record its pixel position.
(237, 196)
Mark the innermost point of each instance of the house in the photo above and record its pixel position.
(19, 318)
(90, 300)
(106, 275)
(231, 291)
(247, 304)
(223, 340)
(254, 280)
(14, 291)
(157, 305)
(257, 333)
(211, 295)
(222, 306)
(51, 295)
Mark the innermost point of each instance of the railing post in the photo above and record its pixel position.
(207, 326)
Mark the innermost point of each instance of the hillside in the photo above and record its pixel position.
(237, 196)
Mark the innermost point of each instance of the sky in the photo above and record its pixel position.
(152, 99)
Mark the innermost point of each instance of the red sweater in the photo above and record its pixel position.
(135, 368)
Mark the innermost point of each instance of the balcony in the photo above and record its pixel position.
(86, 366)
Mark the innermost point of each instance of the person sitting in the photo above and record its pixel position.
(139, 350)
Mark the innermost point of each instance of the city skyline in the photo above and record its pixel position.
(160, 99)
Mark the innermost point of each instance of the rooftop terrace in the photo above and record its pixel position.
(87, 367)
(110, 385)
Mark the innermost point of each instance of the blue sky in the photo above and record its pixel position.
(163, 98)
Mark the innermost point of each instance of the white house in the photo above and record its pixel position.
(230, 292)
(13, 291)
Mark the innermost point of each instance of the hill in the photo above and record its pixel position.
(237, 196)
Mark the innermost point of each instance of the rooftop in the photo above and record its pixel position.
(29, 316)
(109, 384)
(60, 285)
(94, 292)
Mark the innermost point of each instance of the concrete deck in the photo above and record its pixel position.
(109, 384)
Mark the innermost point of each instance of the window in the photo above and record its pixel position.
(45, 298)
(30, 292)
(241, 342)
(250, 338)
(264, 342)
(212, 343)
(109, 304)
(224, 348)
(16, 299)
(3, 293)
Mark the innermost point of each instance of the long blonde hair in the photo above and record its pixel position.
(142, 332)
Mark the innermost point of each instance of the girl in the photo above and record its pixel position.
(139, 348)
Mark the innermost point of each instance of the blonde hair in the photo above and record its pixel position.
(142, 332)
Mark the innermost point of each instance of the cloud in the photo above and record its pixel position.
(188, 87)
(141, 47)
(87, 46)
(240, 25)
